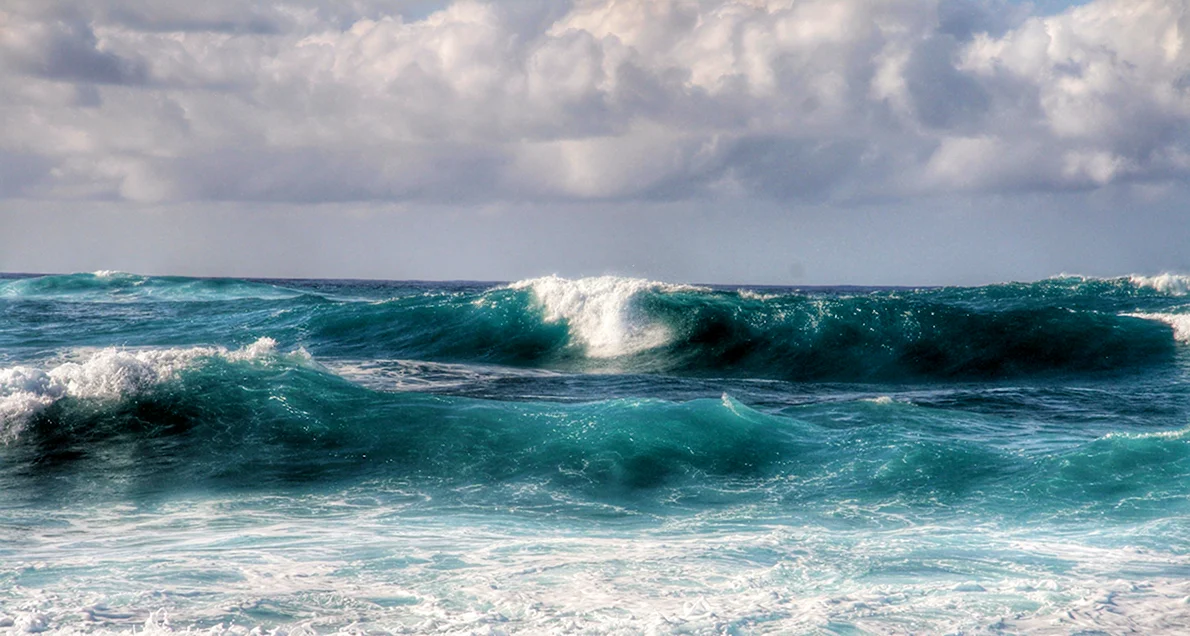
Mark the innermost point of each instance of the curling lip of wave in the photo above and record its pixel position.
(1173, 284)
(600, 312)
(1179, 322)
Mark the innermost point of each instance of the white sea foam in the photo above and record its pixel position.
(1167, 283)
(1174, 284)
(423, 375)
(1179, 322)
(601, 312)
(106, 374)
(690, 577)
(1176, 434)
(750, 294)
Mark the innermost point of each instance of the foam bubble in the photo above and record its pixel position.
(1179, 322)
(601, 313)
(107, 374)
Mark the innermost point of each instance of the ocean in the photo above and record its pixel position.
(597, 456)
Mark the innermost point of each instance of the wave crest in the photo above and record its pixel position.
(107, 374)
(601, 312)
(1167, 283)
(1172, 284)
(1179, 322)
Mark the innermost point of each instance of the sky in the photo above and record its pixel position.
(723, 141)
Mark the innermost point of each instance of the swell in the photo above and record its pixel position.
(251, 418)
(609, 324)
(112, 286)
(627, 325)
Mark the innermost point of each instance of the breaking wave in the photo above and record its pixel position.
(631, 325)
(109, 375)
(251, 418)
(623, 325)
(601, 313)
(1172, 284)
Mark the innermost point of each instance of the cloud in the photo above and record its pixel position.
(64, 50)
(814, 100)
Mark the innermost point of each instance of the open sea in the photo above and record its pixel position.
(594, 456)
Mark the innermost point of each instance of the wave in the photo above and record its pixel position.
(1179, 322)
(251, 418)
(1166, 284)
(601, 314)
(248, 418)
(1172, 284)
(624, 325)
(114, 286)
(631, 325)
(104, 376)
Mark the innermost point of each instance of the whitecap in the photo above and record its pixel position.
(1173, 284)
(1179, 322)
(1167, 283)
(107, 374)
(601, 312)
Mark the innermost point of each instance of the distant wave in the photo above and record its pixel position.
(1167, 283)
(612, 324)
(114, 286)
(648, 325)
(1173, 284)
(601, 312)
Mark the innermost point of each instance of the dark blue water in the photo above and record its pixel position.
(602, 455)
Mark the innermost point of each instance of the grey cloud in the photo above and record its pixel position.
(942, 96)
(793, 168)
(817, 100)
(962, 19)
(63, 50)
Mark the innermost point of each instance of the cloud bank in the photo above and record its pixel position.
(595, 100)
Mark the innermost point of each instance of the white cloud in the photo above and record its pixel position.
(656, 99)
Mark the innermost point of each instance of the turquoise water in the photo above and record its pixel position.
(601, 455)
